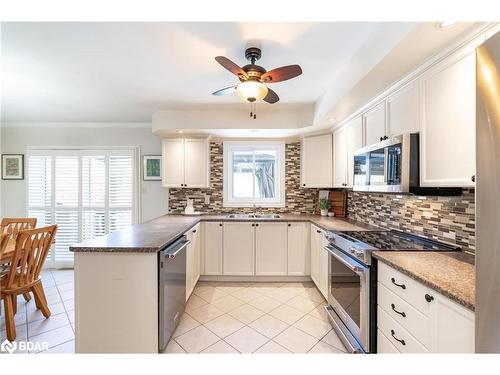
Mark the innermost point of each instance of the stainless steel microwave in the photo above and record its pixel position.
(392, 166)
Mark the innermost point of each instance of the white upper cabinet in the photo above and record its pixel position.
(374, 120)
(196, 162)
(316, 161)
(340, 157)
(354, 142)
(448, 119)
(172, 151)
(403, 111)
(270, 249)
(185, 162)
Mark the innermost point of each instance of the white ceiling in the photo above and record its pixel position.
(124, 72)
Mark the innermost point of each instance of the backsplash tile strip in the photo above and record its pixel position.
(448, 219)
(297, 199)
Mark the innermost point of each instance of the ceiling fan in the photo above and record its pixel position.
(253, 78)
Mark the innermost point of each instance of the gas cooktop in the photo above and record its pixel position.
(396, 241)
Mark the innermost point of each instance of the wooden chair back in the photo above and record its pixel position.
(12, 225)
(4, 239)
(29, 256)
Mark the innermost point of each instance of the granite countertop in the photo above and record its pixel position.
(154, 235)
(451, 274)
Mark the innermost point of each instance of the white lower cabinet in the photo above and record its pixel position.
(193, 254)
(299, 256)
(211, 262)
(416, 319)
(271, 249)
(319, 260)
(239, 249)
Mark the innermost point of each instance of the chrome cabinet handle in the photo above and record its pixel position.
(402, 286)
(402, 313)
(395, 338)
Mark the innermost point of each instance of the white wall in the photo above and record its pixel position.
(15, 139)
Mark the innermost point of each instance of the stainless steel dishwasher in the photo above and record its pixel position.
(171, 289)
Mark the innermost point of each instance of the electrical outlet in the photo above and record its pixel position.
(207, 199)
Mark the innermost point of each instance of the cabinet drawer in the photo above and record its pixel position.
(394, 332)
(384, 346)
(405, 287)
(411, 319)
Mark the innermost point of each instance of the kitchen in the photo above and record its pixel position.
(355, 223)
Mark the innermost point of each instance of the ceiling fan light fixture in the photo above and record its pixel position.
(251, 91)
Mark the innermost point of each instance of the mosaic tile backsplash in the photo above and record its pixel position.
(448, 219)
(297, 199)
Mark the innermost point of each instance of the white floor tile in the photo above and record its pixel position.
(194, 302)
(303, 304)
(246, 340)
(197, 339)
(206, 313)
(265, 303)
(313, 326)
(173, 348)
(332, 339)
(56, 336)
(320, 313)
(228, 303)
(34, 315)
(246, 294)
(272, 348)
(287, 314)
(66, 348)
(48, 324)
(323, 347)
(269, 326)
(213, 294)
(224, 325)
(246, 313)
(186, 324)
(220, 347)
(296, 340)
(283, 295)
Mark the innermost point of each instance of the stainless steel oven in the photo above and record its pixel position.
(349, 299)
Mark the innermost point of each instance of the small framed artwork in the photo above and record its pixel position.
(151, 170)
(12, 167)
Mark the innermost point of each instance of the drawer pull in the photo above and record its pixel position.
(429, 298)
(395, 338)
(402, 313)
(402, 286)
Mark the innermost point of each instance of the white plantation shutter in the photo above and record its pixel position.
(87, 193)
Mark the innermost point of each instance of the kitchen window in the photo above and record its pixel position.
(254, 174)
(87, 193)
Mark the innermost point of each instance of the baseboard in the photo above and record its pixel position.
(256, 279)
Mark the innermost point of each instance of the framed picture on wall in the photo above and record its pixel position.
(12, 167)
(151, 167)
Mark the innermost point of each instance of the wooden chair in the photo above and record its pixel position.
(29, 256)
(12, 226)
(4, 240)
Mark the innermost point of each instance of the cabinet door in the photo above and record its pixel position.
(315, 233)
(299, 254)
(323, 266)
(403, 111)
(239, 250)
(196, 240)
(196, 163)
(448, 120)
(453, 326)
(316, 161)
(374, 124)
(173, 162)
(270, 249)
(211, 254)
(340, 157)
(189, 264)
(354, 142)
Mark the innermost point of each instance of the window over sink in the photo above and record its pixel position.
(254, 174)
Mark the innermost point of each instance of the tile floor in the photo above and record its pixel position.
(219, 318)
(255, 318)
(58, 329)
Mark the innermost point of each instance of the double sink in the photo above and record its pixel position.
(253, 216)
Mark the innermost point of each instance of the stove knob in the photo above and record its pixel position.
(352, 250)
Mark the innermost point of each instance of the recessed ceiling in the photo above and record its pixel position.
(124, 72)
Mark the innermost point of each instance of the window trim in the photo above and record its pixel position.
(228, 147)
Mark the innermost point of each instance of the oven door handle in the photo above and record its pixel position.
(357, 269)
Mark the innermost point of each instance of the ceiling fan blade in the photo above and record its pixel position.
(225, 91)
(281, 74)
(271, 97)
(231, 66)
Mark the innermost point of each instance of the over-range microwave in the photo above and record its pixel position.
(392, 166)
